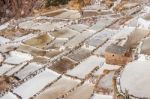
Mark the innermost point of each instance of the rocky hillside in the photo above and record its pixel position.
(22, 8)
(16, 8)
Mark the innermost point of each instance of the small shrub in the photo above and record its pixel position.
(56, 2)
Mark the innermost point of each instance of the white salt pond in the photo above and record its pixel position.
(47, 26)
(86, 66)
(99, 96)
(79, 27)
(15, 69)
(27, 70)
(36, 84)
(3, 40)
(9, 95)
(59, 88)
(135, 79)
(79, 38)
(17, 57)
(5, 67)
(85, 91)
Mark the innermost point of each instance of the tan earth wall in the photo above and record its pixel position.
(115, 59)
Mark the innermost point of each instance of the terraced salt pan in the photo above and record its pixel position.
(37, 51)
(94, 7)
(4, 26)
(17, 57)
(85, 91)
(47, 26)
(34, 85)
(130, 5)
(123, 31)
(75, 16)
(5, 67)
(30, 68)
(79, 38)
(78, 27)
(72, 14)
(64, 33)
(57, 43)
(102, 23)
(101, 50)
(116, 37)
(80, 54)
(99, 96)
(40, 60)
(86, 66)
(106, 74)
(53, 13)
(39, 41)
(26, 25)
(15, 69)
(8, 47)
(145, 46)
(133, 22)
(59, 88)
(134, 10)
(90, 13)
(63, 65)
(25, 37)
(95, 42)
(9, 95)
(3, 40)
(106, 67)
(105, 82)
(146, 9)
(101, 37)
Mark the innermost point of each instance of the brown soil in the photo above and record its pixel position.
(63, 65)
(5, 82)
(39, 41)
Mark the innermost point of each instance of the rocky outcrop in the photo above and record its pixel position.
(15, 8)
